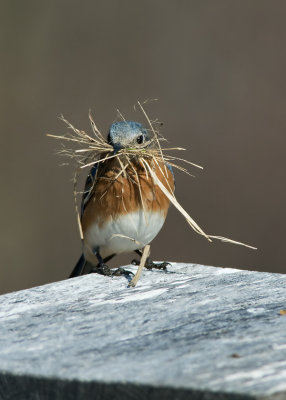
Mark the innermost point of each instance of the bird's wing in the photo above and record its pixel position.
(171, 169)
(89, 183)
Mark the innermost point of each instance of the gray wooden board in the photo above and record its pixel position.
(194, 332)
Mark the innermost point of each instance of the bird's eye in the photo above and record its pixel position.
(140, 139)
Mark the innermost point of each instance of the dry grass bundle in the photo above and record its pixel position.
(95, 150)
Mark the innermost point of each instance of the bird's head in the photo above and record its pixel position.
(127, 134)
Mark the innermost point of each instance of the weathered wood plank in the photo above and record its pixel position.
(195, 332)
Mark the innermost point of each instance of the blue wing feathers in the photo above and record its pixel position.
(87, 187)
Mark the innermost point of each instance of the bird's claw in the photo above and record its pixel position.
(163, 265)
(104, 269)
(121, 271)
(150, 264)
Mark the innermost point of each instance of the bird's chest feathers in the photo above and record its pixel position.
(133, 192)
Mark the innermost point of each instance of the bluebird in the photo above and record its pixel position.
(122, 212)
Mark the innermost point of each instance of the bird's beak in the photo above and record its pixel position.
(117, 147)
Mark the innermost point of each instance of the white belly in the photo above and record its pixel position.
(123, 235)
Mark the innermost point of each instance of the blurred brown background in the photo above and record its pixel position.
(218, 70)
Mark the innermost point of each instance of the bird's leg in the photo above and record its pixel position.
(150, 264)
(135, 261)
(101, 267)
(104, 269)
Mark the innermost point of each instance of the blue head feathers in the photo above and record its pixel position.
(127, 133)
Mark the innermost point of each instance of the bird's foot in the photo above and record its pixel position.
(101, 269)
(163, 265)
(104, 269)
(121, 271)
(150, 264)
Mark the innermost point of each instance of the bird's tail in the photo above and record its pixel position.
(79, 268)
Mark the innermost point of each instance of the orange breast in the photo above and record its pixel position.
(115, 195)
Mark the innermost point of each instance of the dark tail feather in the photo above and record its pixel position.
(84, 267)
(79, 268)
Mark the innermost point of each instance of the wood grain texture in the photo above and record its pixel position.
(195, 332)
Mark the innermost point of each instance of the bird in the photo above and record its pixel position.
(122, 212)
